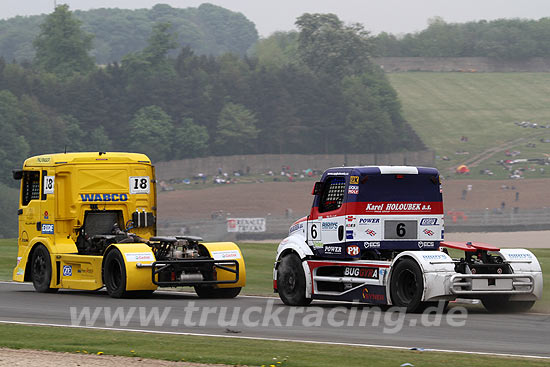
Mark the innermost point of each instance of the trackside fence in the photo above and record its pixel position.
(455, 221)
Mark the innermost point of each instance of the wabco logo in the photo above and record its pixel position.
(104, 197)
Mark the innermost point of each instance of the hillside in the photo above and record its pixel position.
(483, 107)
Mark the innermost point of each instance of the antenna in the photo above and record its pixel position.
(65, 149)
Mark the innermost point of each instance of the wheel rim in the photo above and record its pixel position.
(407, 286)
(291, 281)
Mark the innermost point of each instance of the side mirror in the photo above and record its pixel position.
(317, 188)
(17, 174)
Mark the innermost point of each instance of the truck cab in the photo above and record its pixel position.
(375, 234)
(366, 212)
(89, 220)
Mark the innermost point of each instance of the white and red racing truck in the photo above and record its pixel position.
(375, 235)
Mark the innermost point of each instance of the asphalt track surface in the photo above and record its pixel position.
(513, 334)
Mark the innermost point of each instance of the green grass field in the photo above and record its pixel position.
(443, 107)
(233, 351)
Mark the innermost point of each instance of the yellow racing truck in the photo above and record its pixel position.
(89, 220)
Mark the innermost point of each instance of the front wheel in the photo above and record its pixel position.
(291, 281)
(211, 292)
(114, 274)
(407, 285)
(41, 270)
(502, 303)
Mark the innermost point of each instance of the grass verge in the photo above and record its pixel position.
(233, 351)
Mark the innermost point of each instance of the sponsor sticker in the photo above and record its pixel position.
(296, 227)
(405, 208)
(371, 244)
(365, 221)
(67, 271)
(19, 259)
(20, 271)
(329, 226)
(104, 197)
(47, 228)
(349, 234)
(354, 180)
(371, 296)
(226, 255)
(434, 257)
(333, 250)
(422, 244)
(428, 222)
(370, 232)
(139, 256)
(353, 189)
(361, 272)
(428, 232)
(519, 256)
(353, 250)
(318, 244)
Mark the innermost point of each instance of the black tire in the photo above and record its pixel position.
(211, 292)
(502, 304)
(291, 281)
(114, 275)
(41, 270)
(407, 286)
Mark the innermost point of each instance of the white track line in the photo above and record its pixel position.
(269, 339)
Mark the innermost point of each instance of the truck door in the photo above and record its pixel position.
(328, 230)
(30, 224)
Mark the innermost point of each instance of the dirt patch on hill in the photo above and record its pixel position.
(274, 198)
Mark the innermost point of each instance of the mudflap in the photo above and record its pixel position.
(227, 251)
(138, 278)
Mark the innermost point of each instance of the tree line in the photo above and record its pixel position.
(311, 91)
(207, 29)
(501, 38)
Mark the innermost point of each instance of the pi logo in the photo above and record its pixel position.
(353, 250)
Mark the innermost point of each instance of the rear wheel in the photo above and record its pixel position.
(114, 274)
(41, 270)
(502, 303)
(407, 285)
(291, 281)
(211, 292)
